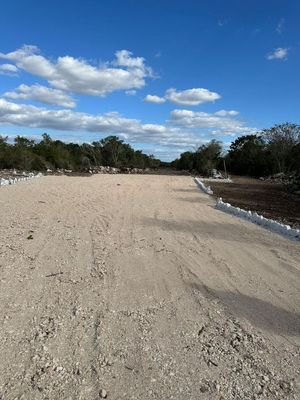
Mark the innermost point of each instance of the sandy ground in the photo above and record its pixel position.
(135, 287)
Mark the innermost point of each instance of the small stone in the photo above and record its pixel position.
(204, 388)
(286, 386)
(258, 389)
(103, 394)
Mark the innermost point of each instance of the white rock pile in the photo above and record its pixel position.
(253, 217)
(222, 180)
(206, 189)
(13, 181)
(270, 224)
(102, 170)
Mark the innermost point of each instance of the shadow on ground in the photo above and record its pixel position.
(197, 200)
(192, 190)
(210, 230)
(260, 313)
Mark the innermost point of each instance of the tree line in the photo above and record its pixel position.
(270, 151)
(26, 154)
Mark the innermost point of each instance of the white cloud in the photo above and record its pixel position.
(280, 26)
(219, 125)
(191, 97)
(43, 94)
(167, 154)
(124, 59)
(184, 131)
(224, 113)
(280, 53)
(154, 99)
(188, 97)
(193, 119)
(130, 92)
(110, 123)
(8, 69)
(77, 75)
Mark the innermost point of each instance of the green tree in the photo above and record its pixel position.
(186, 161)
(249, 155)
(207, 157)
(281, 139)
(112, 148)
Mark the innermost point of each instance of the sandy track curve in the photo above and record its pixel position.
(137, 286)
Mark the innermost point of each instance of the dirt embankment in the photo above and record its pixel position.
(135, 287)
(272, 200)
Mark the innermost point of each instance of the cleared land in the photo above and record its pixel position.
(135, 287)
(272, 200)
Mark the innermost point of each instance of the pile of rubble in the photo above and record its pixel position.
(292, 180)
(121, 170)
(103, 170)
(13, 176)
(270, 224)
(214, 176)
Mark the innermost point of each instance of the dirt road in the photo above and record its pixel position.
(135, 287)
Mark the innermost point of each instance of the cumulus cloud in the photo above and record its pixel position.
(200, 119)
(165, 153)
(217, 124)
(43, 94)
(188, 97)
(185, 129)
(110, 123)
(191, 97)
(66, 120)
(154, 99)
(280, 53)
(130, 92)
(224, 113)
(8, 69)
(124, 59)
(77, 75)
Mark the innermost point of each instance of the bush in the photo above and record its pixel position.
(111, 151)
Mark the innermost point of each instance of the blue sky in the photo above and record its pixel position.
(163, 75)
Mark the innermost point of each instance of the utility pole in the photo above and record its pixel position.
(225, 170)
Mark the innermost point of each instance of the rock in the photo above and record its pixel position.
(266, 378)
(204, 388)
(103, 394)
(286, 386)
(258, 389)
